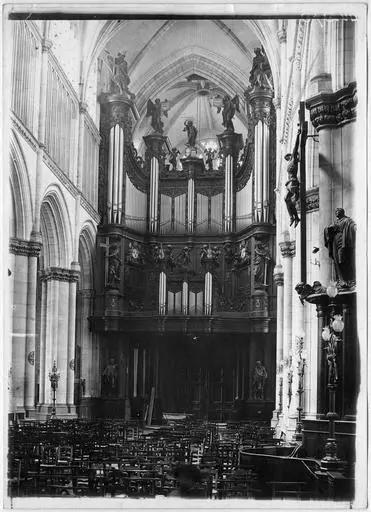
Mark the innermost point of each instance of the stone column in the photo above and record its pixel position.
(115, 130)
(328, 112)
(261, 108)
(154, 156)
(24, 272)
(231, 143)
(279, 280)
(58, 343)
(287, 253)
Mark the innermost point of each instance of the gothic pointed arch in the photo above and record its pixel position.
(86, 256)
(55, 229)
(20, 192)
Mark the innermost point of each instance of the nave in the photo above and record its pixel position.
(183, 457)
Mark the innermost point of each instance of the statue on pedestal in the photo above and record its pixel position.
(259, 378)
(118, 67)
(191, 133)
(261, 258)
(155, 111)
(210, 155)
(340, 239)
(260, 75)
(230, 106)
(292, 184)
(114, 265)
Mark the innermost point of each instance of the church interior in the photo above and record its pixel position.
(182, 252)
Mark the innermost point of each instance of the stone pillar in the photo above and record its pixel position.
(115, 130)
(58, 343)
(329, 112)
(24, 273)
(154, 157)
(231, 143)
(287, 253)
(278, 279)
(261, 110)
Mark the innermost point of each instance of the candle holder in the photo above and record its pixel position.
(331, 335)
(301, 356)
(54, 378)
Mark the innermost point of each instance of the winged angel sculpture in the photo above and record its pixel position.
(155, 111)
(230, 106)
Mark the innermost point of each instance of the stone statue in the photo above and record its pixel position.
(292, 184)
(155, 111)
(119, 73)
(261, 258)
(230, 106)
(260, 75)
(331, 353)
(173, 159)
(114, 265)
(191, 133)
(318, 288)
(340, 239)
(259, 378)
(110, 377)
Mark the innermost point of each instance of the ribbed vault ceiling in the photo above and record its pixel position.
(188, 63)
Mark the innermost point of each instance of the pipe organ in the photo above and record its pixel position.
(185, 250)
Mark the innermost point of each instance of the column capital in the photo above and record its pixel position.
(288, 249)
(83, 107)
(115, 109)
(59, 274)
(331, 110)
(230, 142)
(24, 247)
(155, 145)
(261, 104)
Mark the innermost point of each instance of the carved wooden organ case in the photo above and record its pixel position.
(195, 240)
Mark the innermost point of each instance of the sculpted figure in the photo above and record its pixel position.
(260, 376)
(261, 258)
(184, 257)
(210, 155)
(191, 133)
(114, 265)
(119, 73)
(340, 239)
(292, 184)
(174, 158)
(155, 111)
(303, 290)
(230, 106)
(260, 75)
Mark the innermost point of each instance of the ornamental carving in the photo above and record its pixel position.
(59, 274)
(24, 247)
(288, 249)
(31, 358)
(334, 109)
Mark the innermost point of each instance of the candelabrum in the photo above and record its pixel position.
(54, 378)
(301, 356)
(331, 335)
(287, 362)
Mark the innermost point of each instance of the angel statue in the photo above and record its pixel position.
(118, 68)
(230, 105)
(155, 110)
(191, 133)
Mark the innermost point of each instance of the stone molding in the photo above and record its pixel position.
(333, 109)
(311, 200)
(278, 275)
(288, 249)
(60, 274)
(24, 247)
